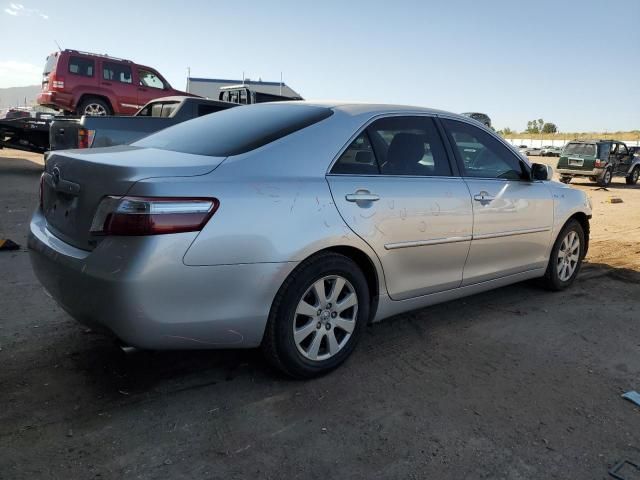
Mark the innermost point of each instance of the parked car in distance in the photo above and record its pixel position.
(598, 160)
(92, 132)
(292, 225)
(532, 151)
(480, 117)
(84, 83)
(635, 151)
(250, 93)
(550, 151)
(13, 113)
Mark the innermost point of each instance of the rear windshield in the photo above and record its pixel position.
(50, 64)
(587, 149)
(236, 130)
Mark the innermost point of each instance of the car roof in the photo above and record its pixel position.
(373, 109)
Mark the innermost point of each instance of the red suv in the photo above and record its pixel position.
(90, 84)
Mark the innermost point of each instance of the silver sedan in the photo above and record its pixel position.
(292, 225)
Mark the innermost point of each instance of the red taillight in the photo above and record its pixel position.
(55, 82)
(85, 137)
(600, 163)
(152, 215)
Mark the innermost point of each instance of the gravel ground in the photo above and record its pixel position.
(517, 383)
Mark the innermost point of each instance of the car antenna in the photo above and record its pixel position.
(58, 45)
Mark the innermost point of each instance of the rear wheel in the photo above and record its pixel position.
(605, 179)
(565, 178)
(633, 178)
(95, 107)
(566, 257)
(317, 316)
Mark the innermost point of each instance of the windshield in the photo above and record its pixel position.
(586, 149)
(236, 130)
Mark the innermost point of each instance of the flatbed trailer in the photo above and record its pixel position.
(29, 134)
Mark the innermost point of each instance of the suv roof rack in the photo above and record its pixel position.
(103, 55)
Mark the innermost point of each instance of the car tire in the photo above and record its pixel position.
(565, 178)
(566, 257)
(604, 180)
(94, 106)
(632, 179)
(305, 322)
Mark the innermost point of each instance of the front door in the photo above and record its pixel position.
(512, 215)
(395, 188)
(150, 86)
(623, 160)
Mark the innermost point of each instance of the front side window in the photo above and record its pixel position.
(622, 149)
(358, 158)
(409, 146)
(481, 154)
(81, 66)
(150, 79)
(115, 72)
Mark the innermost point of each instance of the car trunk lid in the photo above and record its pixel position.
(75, 181)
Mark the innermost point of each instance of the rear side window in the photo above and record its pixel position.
(358, 158)
(409, 146)
(81, 66)
(116, 72)
(236, 130)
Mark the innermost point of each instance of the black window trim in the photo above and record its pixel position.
(116, 80)
(459, 161)
(455, 172)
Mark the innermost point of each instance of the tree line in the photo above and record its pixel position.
(533, 126)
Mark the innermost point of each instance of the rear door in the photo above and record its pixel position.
(623, 160)
(512, 216)
(396, 189)
(118, 78)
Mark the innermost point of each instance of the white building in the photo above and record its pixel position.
(210, 87)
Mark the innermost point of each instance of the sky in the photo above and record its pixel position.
(575, 63)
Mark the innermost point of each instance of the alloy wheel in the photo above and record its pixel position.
(95, 110)
(325, 318)
(568, 256)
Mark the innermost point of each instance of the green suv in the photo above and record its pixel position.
(599, 160)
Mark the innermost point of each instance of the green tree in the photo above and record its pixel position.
(506, 131)
(549, 128)
(532, 127)
(540, 124)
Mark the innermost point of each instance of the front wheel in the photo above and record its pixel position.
(566, 257)
(633, 178)
(317, 316)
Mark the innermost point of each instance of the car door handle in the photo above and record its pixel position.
(362, 196)
(483, 197)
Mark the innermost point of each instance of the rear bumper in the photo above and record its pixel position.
(596, 172)
(139, 288)
(56, 100)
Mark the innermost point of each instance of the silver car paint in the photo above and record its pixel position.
(216, 288)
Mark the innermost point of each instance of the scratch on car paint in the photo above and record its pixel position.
(367, 216)
(422, 226)
(283, 429)
(295, 199)
(326, 224)
(240, 450)
(381, 232)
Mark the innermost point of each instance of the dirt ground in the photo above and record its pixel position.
(517, 383)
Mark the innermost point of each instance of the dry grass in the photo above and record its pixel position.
(632, 135)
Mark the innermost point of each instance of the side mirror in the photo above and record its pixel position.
(540, 171)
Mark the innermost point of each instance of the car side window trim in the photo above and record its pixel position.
(459, 162)
(452, 161)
